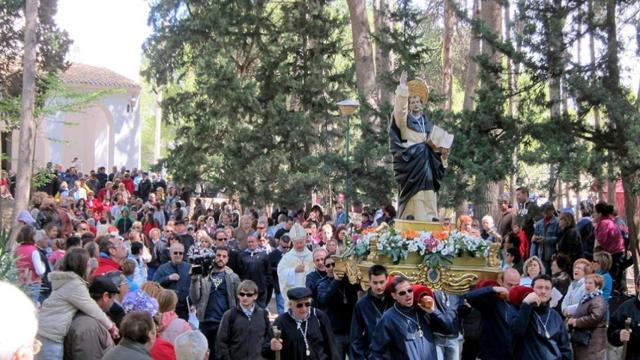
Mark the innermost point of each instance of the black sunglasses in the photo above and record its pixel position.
(405, 292)
(177, 253)
(243, 294)
(330, 265)
(221, 239)
(305, 304)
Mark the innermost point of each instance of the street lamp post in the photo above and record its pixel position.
(347, 108)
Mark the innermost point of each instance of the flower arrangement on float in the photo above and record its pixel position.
(436, 248)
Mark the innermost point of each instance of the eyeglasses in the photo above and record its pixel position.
(243, 294)
(405, 292)
(177, 253)
(303, 304)
(330, 265)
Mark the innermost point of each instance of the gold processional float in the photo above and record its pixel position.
(424, 252)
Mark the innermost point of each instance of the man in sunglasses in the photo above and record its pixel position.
(213, 294)
(406, 330)
(176, 275)
(244, 328)
(305, 331)
(367, 312)
(338, 296)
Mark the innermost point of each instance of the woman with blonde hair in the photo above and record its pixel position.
(590, 321)
(531, 269)
(170, 324)
(581, 268)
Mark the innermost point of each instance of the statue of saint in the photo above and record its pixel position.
(417, 163)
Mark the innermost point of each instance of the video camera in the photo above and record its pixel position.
(201, 264)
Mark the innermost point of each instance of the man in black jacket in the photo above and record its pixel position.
(284, 244)
(244, 328)
(254, 265)
(339, 297)
(618, 335)
(495, 336)
(367, 313)
(539, 331)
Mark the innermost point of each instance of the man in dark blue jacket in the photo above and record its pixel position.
(175, 275)
(495, 338)
(367, 313)
(405, 331)
(317, 276)
(538, 330)
(338, 296)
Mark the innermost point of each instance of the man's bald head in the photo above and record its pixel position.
(510, 278)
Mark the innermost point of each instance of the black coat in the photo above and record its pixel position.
(274, 259)
(628, 309)
(319, 337)
(533, 341)
(495, 335)
(570, 243)
(240, 337)
(339, 298)
(255, 266)
(366, 314)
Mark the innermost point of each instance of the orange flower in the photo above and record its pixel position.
(368, 230)
(440, 235)
(409, 234)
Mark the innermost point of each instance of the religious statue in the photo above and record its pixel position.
(418, 160)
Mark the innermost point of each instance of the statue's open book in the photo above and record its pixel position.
(440, 138)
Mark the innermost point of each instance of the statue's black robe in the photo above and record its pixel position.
(416, 167)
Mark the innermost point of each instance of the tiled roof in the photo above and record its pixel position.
(82, 74)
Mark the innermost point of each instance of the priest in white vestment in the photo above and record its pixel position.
(295, 264)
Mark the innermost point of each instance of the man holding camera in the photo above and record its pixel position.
(175, 275)
(213, 294)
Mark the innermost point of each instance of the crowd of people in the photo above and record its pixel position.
(126, 265)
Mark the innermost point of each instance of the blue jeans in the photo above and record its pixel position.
(279, 303)
(33, 291)
(447, 347)
(50, 350)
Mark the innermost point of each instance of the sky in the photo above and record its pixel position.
(106, 33)
(110, 33)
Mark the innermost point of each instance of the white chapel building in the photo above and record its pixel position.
(104, 133)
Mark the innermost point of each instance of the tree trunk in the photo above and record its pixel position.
(384, 58)
(447, 63)
(512, 78)
(471, 78)
(596, 112)
(27, 131)
(365, 71)
(630, 202)
(611, 82)
(157, 136)
(489, 193)
(486, 200)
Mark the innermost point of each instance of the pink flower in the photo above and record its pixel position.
(431, 243)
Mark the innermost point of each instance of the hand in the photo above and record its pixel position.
(403, 78)
(532, 299)
(300, 268)
(499, 290)
(115, 334)
(276, 344)
(174, 277)
(444, 153)
(427, 304)
(572, 322)
(625, 335)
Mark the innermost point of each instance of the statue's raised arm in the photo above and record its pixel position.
(418, 168)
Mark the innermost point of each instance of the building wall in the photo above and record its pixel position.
(103, 134)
